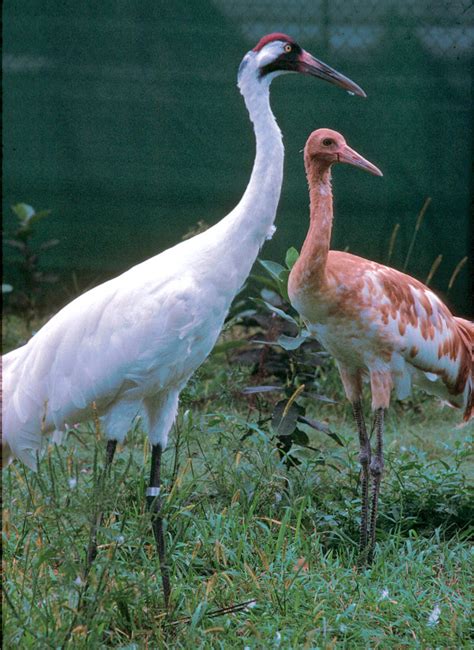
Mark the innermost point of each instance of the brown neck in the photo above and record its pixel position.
(315, 249)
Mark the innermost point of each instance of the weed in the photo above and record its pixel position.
(26, 291)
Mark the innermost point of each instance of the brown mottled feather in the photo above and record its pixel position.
(372, 317)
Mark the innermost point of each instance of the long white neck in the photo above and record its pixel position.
(244, 230)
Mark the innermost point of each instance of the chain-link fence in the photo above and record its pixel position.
(124, 119)
(359, 28)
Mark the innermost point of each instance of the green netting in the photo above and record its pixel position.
(125, 120)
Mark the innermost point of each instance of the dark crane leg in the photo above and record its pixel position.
(376, 470)
(154, 505)
(364, 459)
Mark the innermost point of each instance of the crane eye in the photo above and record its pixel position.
(327, 142)
(288, 48)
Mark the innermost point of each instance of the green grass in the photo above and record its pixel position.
(241, 526)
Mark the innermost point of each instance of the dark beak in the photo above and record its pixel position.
(348, 155)
(307, 64)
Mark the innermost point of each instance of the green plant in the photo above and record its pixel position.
(26, 291)
(277, 333)
(277, 347)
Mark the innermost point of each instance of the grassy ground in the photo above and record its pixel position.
(242, 527)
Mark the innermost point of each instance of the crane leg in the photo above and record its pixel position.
(376, 470)
(364, 459)
(154, 505)
(99, 515)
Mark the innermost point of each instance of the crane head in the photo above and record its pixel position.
(326, 147)
(278, 53)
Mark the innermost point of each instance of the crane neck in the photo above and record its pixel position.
(251, 221)
(314, 254)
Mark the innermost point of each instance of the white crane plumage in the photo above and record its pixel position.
(128, 346)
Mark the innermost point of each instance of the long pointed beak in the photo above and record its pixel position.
(348, 155)
(307, 64)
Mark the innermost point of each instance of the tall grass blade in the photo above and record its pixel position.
(393, 239)
(419, 221)
(282, 532)
(433, 269)
(455, 273)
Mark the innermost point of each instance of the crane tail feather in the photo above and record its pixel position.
(467, 332)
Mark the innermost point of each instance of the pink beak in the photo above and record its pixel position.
(348, 155)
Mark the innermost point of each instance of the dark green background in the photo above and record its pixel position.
(125, 120)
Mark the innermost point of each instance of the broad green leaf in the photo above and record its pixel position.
(276, 310)
(284, 420)
(24, 212)
(283, 285)
(279, 273)
(271, 296)
(270, 283)
(38, 215)
(291, 342)
(321, 426)
(273, 268)
(300, 438)
(291, 257)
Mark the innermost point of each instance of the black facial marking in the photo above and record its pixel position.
(287, 61)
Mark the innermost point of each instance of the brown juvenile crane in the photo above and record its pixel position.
(375, 321)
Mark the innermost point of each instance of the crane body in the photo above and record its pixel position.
(396, 327)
